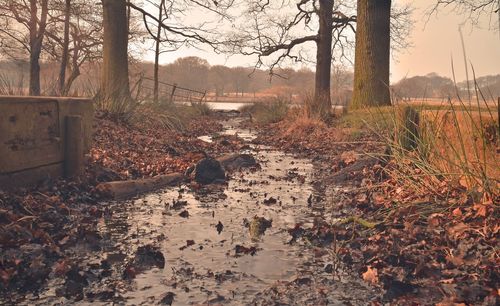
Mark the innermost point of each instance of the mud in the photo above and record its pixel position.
(211, 253)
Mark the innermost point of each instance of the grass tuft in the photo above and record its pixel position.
(271, 111)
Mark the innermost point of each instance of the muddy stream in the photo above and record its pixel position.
(205, 237)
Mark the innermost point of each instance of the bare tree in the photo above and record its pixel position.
(81, 39)
(115, 84)
(473, 9)
(78, 43)
(19, 18)
(219, 77)
(165, 9)
(282, 36)
(157, 53)
(170, 29)
(65, 51)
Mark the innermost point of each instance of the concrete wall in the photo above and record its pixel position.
(32, 136)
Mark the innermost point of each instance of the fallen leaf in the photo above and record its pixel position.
(455, 260)
(371, 276)
(458, 229)
(457, 212)
(481, 210)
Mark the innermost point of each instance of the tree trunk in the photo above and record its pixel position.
(157, 55)
(65, 53)
(75, 66)
(37, 32)
(372, 59)
(115, 83)
(322, 104)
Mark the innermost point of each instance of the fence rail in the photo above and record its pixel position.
(170, 92)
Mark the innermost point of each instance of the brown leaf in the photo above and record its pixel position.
(349, 157)
(378, 198)
(64, 240)
(457, 212)
(434, 220)
(458, 229)
(61, 267)
(481, 210)
(361, 198)
(455, 260)
(371, 275)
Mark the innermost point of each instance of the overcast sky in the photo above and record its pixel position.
(435, 41)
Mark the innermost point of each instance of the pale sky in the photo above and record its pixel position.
(434, 44)
(438, 40)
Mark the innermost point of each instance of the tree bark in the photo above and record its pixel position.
(115, 83)
(37, 33)
(65, 53)
(157, 55)
(75, 66)
(372, 55)
(322, 104)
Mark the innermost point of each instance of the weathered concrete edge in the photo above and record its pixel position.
(30, 177)
(51, 170)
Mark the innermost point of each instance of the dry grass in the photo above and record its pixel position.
(273, 110)
(453, 147)
(299, 124)
(465, 143)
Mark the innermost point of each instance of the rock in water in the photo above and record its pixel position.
(148, 257)
(167, 298)
(258, 227)
(208, 171)
(237, 161)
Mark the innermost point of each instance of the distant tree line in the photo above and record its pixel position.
(433, 85)
(194, 73)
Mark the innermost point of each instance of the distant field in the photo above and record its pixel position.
(444, 102)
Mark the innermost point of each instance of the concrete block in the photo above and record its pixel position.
(32, 136)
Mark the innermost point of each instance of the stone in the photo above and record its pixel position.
(167, 298)
(208, 171)
(237, 161)
(148, 257)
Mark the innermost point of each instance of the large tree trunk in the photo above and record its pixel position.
(156, 79)
(322, 104)
(65, 53)
(37, 32)
(372, 59)
(115, 83)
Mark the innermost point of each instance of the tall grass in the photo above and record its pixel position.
(202, 108)
(11, 87)
(165, 116)
(120, 108)
(453, 145)
(270, 111)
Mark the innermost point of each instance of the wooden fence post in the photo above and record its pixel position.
(409, 134)
(73, 146)
(173, 93)
(203, 97)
